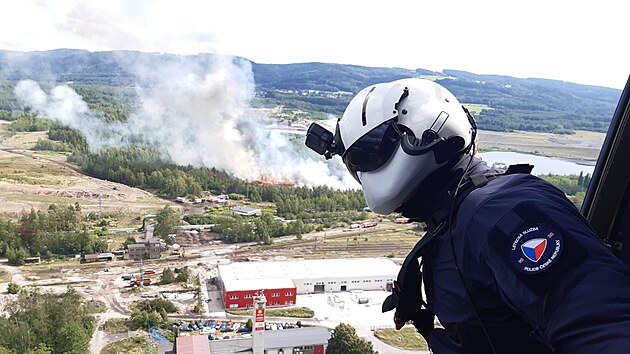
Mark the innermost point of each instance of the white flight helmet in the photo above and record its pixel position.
(395, 135)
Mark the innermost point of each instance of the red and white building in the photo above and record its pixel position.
(281, 281)
(240, 293)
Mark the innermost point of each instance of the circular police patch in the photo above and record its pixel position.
(536, 248)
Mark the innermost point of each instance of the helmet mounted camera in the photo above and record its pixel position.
(323, 142)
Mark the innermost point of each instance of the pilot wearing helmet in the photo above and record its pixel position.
(508, 264)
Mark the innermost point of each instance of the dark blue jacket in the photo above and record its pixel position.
(520, 257)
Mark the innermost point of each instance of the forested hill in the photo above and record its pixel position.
(500, 102)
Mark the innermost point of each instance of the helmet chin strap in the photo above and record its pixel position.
(437, 186)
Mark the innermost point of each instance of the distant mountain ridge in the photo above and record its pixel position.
(504, 102)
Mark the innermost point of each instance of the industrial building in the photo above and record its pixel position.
(308, 340)
(281, 281)
(245, 211)
(192, 345)
(279, 292)
(151, 249)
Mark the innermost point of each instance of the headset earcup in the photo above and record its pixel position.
(450, 148)
(443, 149)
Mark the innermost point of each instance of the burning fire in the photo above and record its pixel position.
(266, 182)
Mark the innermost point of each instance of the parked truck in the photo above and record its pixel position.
(136, 282)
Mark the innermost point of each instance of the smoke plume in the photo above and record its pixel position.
(193, 114)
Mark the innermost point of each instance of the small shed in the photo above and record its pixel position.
(90, 258)
(245, 211)
(106, 256)
(32, 260)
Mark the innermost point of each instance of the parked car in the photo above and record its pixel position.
(363, 300)
(173, 325)
(244, 329)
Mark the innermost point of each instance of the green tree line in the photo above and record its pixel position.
(149, 313)
(29, 122)
(46, 323)
(574, 186)
(57, 230)
(144, 168)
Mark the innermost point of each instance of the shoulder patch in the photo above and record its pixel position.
(536, 248)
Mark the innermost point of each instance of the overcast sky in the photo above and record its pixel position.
(577, 41)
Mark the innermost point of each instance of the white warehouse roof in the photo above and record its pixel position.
(231, 284)
(309, 269)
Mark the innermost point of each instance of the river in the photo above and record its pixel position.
(542, 165)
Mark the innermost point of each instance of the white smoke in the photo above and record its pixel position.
(193, 115)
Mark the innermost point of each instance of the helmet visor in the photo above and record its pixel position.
(373, 149)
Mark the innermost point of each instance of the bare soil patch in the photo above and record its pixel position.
(35, 182)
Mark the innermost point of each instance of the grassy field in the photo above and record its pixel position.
(15, 167)
(96, 306)
(134, 345)
(582, 145)
(61, 269)
(22, 140)
(4, 276)
(386, 240)
(118, 325)
(407, 338)
(475, 108)
(35, 179)
(297, 312)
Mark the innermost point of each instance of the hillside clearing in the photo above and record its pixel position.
(33, 180)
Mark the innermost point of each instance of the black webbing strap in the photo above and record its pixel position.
(406, 295)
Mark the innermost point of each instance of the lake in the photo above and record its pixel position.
(542, 164)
